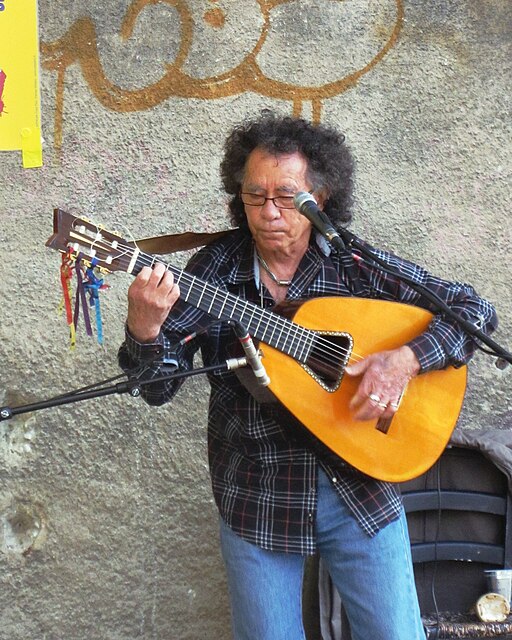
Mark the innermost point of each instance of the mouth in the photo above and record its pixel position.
(273, 231)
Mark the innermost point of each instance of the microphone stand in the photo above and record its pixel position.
(131, 386)
(134, 385)
(348, 240)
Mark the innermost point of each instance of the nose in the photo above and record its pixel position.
(270, 211)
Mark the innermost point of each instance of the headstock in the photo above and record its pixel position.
(81, 236)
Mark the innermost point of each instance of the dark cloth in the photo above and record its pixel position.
(263, 475)
(495, 444)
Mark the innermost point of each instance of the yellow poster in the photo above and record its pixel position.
(20, 111)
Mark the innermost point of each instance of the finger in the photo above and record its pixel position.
(397, 399)
(161, 276)
(151, 283)
(366, 389)
(370, 407)
(358, 399)
(378, 391)
(142, 277)
(172, 295)
(376, 406)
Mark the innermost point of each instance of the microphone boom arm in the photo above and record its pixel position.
(343, 240)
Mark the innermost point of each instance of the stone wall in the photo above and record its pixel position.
(108, 529)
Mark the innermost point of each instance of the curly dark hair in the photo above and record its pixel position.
(330, 163)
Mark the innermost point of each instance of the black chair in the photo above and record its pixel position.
(460, 523)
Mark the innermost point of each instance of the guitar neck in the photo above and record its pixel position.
(267, 326)
(82, 237)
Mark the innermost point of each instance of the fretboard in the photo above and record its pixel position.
(267, 326)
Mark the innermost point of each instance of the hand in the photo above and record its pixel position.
(384, 378)
(151, 296)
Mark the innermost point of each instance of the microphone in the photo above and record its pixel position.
(252, 355)
(307, 205)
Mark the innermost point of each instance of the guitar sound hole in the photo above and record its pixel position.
(328, 358)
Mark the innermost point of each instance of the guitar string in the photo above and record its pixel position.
(329, 347)
(324, 347)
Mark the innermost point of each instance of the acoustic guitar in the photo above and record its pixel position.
(305, 358)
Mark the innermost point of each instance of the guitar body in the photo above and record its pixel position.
(419, 431)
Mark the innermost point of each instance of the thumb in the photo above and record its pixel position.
(357, 368)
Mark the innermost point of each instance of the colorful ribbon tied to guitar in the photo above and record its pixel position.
(88, 286)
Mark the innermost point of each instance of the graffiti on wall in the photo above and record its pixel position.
(353, 36)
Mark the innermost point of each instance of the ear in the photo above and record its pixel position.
(321, 197)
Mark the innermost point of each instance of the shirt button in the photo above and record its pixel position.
(335, 480)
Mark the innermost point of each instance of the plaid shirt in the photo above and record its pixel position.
(263, 475)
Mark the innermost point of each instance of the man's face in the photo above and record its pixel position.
(274, 228)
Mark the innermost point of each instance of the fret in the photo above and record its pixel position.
(270, 339)
(289, 342)
(218, 301)
(190, 289)
(209, 310)
(281, 345)
(205, 285)
(248, 306)
(307, 344)
(235, 302)
(257, 328)
(264, 334)
(249, 322)
(137, 268)
(219, 315)
(296, 341)
(229, 307)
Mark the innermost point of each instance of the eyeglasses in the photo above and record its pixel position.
(255, 200)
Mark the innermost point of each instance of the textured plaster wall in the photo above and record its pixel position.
(107, 526)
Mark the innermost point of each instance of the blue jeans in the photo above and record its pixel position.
(374, 577)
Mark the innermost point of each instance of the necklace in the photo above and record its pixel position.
(280, 283)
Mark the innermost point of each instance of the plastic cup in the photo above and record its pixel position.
(500, 581)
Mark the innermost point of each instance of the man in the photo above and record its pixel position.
(279, 497)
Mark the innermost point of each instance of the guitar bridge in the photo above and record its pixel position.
(328, 358)
(383, 424)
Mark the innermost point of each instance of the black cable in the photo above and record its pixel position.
(436, 540)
